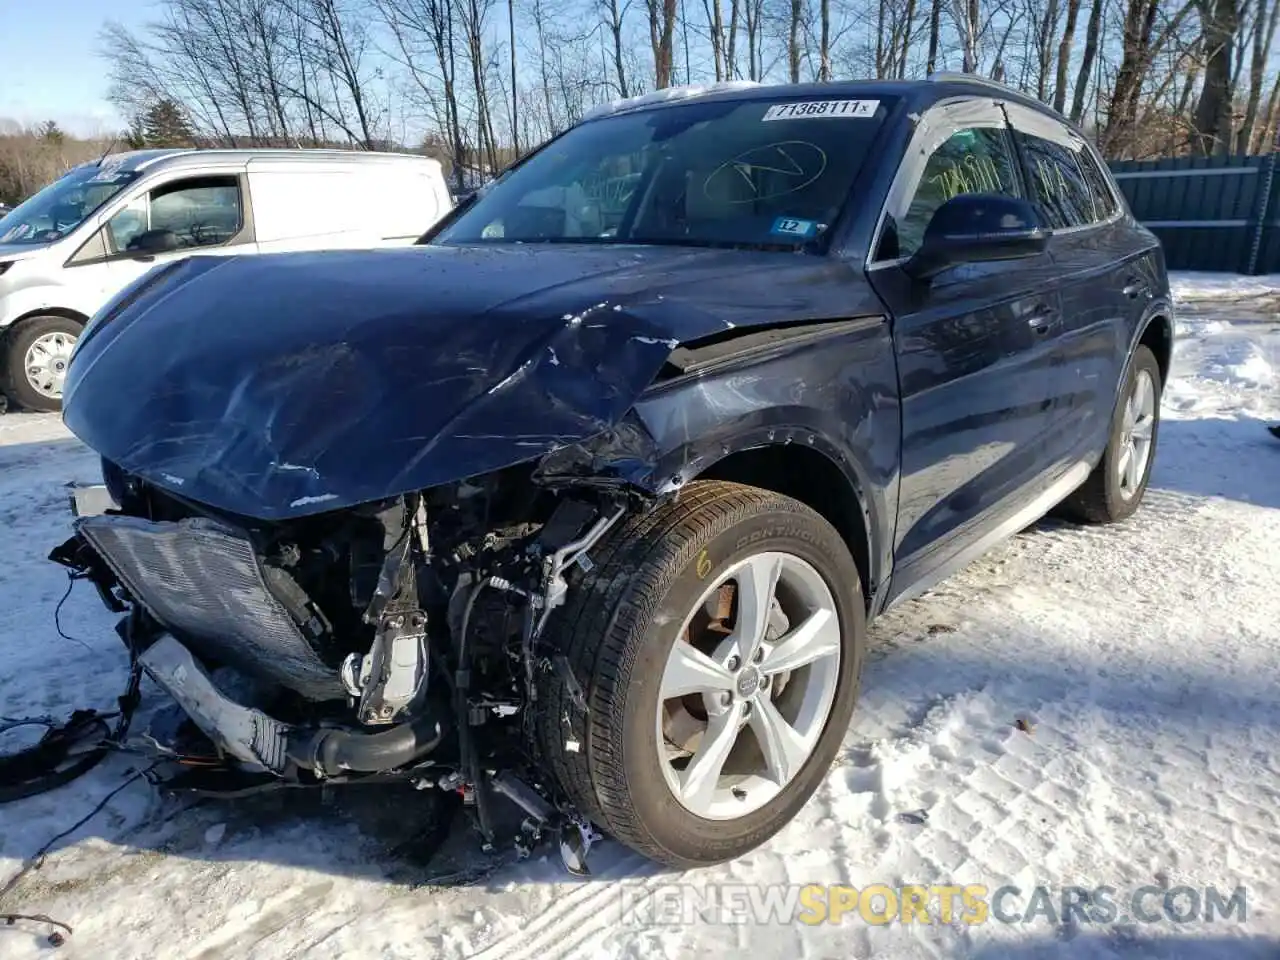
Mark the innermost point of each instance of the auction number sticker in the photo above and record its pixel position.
(821, 109)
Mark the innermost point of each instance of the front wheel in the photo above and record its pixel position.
(38, 353)
(719, 640)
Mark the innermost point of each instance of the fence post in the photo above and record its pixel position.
(1264, 206)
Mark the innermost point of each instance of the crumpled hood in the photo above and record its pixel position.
(283, 385)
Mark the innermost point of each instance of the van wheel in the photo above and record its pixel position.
(718, 641)
(37, 354)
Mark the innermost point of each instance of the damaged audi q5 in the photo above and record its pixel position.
(581, 506)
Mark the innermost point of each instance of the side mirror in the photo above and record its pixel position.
(151, 242)
(977, 228)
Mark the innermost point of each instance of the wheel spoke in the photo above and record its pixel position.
(785, 751)
(699, 779)
(757, 582)
(1142, 429)
(1141, 395)
(1126, 456)
(818, 636)
(689, 670)
(1131, 468)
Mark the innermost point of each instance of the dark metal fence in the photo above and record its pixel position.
(1211, 213)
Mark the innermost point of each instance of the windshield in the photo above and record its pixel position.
(64, 204)
(771, 174)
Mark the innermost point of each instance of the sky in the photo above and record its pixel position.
(49, 60)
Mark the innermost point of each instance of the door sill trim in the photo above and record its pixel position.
(1052, 495)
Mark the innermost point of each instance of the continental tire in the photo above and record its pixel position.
(670, 592)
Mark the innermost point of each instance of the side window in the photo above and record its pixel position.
(200, 212)
(973, 160)
(129, 222)
(1062, 195)
(1104, 201)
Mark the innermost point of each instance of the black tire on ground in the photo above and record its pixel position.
(616, 631)
(1098, 499)
(13, 375)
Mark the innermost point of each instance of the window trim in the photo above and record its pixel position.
(1045, 126)
(934, 127)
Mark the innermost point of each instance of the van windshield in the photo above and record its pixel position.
(64, 204)
(767, 173)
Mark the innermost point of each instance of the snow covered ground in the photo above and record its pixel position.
(1081, 707)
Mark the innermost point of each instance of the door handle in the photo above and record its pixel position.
(1134, 288)
(1041, 318)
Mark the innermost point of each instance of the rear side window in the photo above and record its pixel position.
(1063, 196)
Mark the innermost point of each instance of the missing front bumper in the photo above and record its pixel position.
(249, 735)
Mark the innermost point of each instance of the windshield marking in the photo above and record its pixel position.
(782, 163)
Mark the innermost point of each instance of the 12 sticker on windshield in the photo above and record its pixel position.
(792, 227)
(822, 110)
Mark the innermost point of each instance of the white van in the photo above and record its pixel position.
(70, 248)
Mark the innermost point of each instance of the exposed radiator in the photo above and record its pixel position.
(203, 581)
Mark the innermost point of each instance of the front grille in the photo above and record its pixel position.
(203, 581)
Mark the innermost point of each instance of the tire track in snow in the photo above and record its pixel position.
(576, 917)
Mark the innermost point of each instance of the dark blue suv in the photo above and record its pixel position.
(580, 507)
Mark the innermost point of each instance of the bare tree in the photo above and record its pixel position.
(1264, 32)
(1064, 56)
(615, 17)
(1218, 22)
(662, 28)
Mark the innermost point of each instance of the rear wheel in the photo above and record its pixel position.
(38, 352)
(1116, 486)
(719, 640)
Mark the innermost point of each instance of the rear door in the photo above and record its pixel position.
(978, 365)
(1099, 263)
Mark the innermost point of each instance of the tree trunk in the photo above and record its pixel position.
(1263, 36)
(1086, 63)
(935, 29)
(1266, 142)
(824, 44)
(715, 27)
(731, 49)
(882, 13)
(793, 40)
(900, 69)
(515, 91)
(662, 24)
(1064, 56)
(1046, 50)
(1219, 19)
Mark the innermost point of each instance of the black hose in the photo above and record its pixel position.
(333, 751)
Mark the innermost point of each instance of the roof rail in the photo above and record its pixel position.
(955, 75)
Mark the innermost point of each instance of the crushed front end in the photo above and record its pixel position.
(395, 640)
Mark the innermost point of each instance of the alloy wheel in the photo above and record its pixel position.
(748, 686)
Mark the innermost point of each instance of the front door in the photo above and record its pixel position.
(978, 365)
(201, 214)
